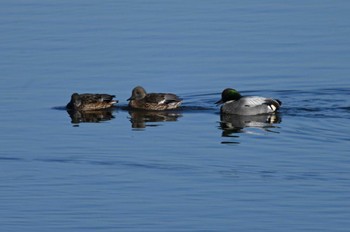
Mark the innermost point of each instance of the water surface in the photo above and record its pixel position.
(187, 170)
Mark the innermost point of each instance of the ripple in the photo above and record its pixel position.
(9, 158)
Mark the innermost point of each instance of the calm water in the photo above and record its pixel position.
(188, 170)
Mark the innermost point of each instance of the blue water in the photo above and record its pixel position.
(188, 170)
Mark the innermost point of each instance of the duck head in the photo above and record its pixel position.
(75, 100)
(229, 95)
(137, 93)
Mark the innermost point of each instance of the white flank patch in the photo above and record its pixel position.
(174, 104)
(273, 108)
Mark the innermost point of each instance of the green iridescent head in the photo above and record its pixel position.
(229, 95)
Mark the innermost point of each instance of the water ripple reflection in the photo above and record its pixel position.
(141, 119)
(233, 124)
(90, 116)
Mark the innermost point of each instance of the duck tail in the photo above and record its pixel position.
(279, 102)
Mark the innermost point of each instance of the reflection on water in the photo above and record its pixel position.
(178, 176)
(90, 116)
(231, 124)
(141, 119)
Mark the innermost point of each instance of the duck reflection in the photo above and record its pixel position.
(231, 124)
(143, 119)
(93, 116)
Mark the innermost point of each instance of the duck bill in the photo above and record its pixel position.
(219, 102)
(130, 98)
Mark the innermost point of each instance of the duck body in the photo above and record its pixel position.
(90, 101)
(153, 101)
(233, 103)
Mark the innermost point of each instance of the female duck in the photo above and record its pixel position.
(89, 101)
(234, 103)
(153, 101)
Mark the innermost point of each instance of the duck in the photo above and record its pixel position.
(234, 103)
(91, 101)
(140, 99)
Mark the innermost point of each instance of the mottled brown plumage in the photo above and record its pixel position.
(153, 101)
(88, 101)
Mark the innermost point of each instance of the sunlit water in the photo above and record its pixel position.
(186, 170)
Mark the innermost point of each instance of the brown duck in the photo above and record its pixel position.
(153, 101)
(89, 101)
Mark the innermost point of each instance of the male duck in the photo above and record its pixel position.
(234, 103)
(153, 101)
(89, 101)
